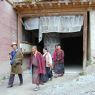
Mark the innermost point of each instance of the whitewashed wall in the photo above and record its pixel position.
(92, 33)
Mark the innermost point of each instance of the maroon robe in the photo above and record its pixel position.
(59, 62)
(41, 65)
(54, 55)
(59, 57)
(38, 67)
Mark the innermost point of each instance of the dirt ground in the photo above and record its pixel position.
(69, 84)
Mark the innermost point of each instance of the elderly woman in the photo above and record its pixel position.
(48, 61)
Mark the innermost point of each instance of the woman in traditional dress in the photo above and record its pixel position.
(54, 54)
(48, 61)
(59, 62)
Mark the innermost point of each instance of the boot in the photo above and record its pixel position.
(21, 79)
(11, 80)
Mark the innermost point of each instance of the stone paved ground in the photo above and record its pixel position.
(69, 84)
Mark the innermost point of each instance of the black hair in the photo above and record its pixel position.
(58, 45)
(45, 48)
(34, 47)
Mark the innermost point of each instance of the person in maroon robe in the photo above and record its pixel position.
(38, 67)
(59, 62)
(54, 54)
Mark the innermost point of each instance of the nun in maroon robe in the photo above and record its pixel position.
(59, 62)
(38, 67)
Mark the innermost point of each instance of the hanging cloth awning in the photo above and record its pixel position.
(60, 24)
(31, 23)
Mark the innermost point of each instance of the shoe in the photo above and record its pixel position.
(36, 88)
(9, 86)
(50, 79)
(20, 84)
(60, 75)
(56, 76)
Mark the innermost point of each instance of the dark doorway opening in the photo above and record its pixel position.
(31, 37)
(73, 49)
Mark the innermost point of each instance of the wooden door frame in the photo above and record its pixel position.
(84, 13)
(85, 27)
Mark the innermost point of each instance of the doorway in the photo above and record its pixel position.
(71, 43)
(73, 49)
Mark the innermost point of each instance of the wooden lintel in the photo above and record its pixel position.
(73, 3)
(20, 5)
(42, 5)
(59, 4)
(82, 3)
(50, 11)
(35, 5)
(50, 4)
(53, 13)
(27, 5)
(90, 3)
(43, 8)
(66, 2)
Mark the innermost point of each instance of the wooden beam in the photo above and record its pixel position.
(27, 5)
(19, 35)
(53, 13)
(59, 4)
(35, 5)
(20, 5)
(42, 5)
(90, 2)
(66, 2)
(85, 42)
(43, 8)
(73, 5)
(50, 4)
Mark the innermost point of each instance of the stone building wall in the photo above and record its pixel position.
(92, 34)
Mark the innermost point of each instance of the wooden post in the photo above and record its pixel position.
(19, 35)
(85, 42)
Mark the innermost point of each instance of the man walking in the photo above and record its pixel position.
(16, 57)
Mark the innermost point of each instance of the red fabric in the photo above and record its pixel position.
(54, 55)
(29, 65)
(41, 64)
(60, 55)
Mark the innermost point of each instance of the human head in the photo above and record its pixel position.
(58, 46)
(14, 45)
(45, 50)
(34, 49)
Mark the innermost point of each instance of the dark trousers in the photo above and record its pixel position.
(11, 79)
(49, 72)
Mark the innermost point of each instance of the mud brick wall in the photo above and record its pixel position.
(8, 29)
